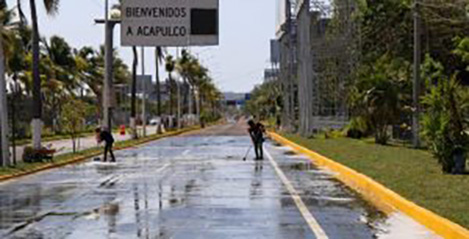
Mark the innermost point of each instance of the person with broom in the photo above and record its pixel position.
(256, 131)
(106, 136)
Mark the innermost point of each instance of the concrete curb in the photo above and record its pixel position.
(82, 158)
(384, 198)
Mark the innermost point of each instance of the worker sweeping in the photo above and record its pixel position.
(256, 131)
(104, 135)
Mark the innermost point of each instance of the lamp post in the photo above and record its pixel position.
(144, 95)
(108, 77)
(4, 149)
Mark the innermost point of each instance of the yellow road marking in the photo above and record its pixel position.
(307, 215)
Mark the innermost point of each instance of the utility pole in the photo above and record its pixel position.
(108, 104)
(5, 150)
(106, 124)
(416, 81)
(144, 94)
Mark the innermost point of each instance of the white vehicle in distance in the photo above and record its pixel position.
(155, 121)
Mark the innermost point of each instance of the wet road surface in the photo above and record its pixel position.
(194, 186)
(65, 146)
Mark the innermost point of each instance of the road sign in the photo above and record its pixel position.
(169, 22)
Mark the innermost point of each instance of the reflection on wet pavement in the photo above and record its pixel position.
(188, 187)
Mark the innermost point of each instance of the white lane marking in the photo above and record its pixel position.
(307, 215)
(163, 168)
(186, 152)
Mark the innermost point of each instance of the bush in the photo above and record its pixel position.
(442, 123)
(357, 128)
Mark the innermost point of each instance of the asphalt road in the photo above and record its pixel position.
(190, 187)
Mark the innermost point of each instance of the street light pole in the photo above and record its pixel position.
(107, 91)
(144, 95)
(5, 152)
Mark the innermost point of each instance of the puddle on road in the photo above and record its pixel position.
(303, 166)
(290, 153)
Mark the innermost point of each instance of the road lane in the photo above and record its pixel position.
(192, 186)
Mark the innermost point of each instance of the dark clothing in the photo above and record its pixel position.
(108, 142)
(259, 149)
(256, 131)
(108, 148)
(106, 137)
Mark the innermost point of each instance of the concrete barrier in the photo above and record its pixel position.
(384, 198)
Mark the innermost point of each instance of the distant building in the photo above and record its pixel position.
(236, 100)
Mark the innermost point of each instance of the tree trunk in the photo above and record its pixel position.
(74, 144)
(133, 106)
(37, 108)
(160, 128)
(158, 88)
(20, 13)
(171, 95)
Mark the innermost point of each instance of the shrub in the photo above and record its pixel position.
(442, 123)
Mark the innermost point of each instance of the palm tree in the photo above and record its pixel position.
(51, 8)
(91, 72)
(159, 57)
(170, 66)
(184, 68)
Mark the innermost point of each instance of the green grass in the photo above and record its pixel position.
(414, 174)
(60, 159)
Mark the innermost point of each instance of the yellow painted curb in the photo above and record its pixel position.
(78, 159)
(381, 196)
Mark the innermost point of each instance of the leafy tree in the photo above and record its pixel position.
(265, 102)
(462, 50)
(72, 117)
(378, 95)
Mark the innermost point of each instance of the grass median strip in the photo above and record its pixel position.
(414, 174)
(22, 169)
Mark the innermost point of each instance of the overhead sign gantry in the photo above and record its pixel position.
(170, 22)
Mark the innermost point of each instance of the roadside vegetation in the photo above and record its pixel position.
(49, 79)
(377, 139)
(379, 89)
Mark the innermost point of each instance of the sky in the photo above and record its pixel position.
(237, 64)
